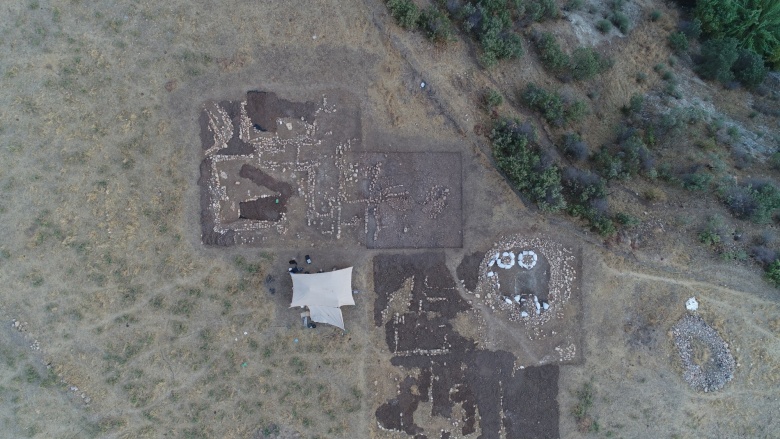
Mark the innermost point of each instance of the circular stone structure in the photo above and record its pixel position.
(535, 288)
(527, 259)
(706, 359)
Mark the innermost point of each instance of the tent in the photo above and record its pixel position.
(323, 294)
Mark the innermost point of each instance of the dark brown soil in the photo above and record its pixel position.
(264, 108)
(468, 270)
(264, 209)
(451, 369)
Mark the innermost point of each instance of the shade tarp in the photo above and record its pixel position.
(326, 314)
(329, 289)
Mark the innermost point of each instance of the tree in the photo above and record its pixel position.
(718, 56)
(754, 23)
(749, 68)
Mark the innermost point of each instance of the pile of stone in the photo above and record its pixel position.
(720, 365)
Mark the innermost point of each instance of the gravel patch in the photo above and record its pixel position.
(707, 361)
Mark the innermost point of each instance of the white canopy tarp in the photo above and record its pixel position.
(326, 314)
(323, 294)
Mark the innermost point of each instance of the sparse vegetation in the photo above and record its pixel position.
(585, 399)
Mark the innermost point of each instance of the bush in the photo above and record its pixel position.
(587, 63)
(574, 5)
(436, 25)
(492, 99)
(634, 105)
(763, 255)
(494, 32)
(524, 167)
(711, 233)
(604, 26)
(718, 56)
(542, 10)
(655, 15)
(678, 42)
(773, 273)
(692, 29)
(405, 12)
(585, 194)
(735, 255)
(550, 52)
(552, 107)
(574, 148)
(697, 181)
(630, 158)
(756, 201)
(749, 68)
(627, 220)
(620, 21)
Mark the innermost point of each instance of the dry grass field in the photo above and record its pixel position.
(116, 321)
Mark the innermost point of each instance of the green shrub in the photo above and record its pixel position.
(712, 231)
(575, 111)
(574, 148)
(550, 52)
(628, 159)
(749, 68)
(755, 24)
(436, 25)
(585, 194)
(655, 15)
(634, 105)
(697, 181)
(627, 220)
(678, 42)
(692, 29)
(521, 163)
(495, 34)
(541, 10)
(773, 273)
(405, 12)
(708, 237)
(587, 63)
(735, 255)
(548, 103)
(620, 21)
(552, 106)
(757, 201)
(718, 56)
(604, 26)
(574, 5)
(492, 99)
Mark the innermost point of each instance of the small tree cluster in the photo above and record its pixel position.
(523, 165)
(627, 159)
(722, 60)
(584, 62)
(553, 108)
(435, 24)
(757, 200)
